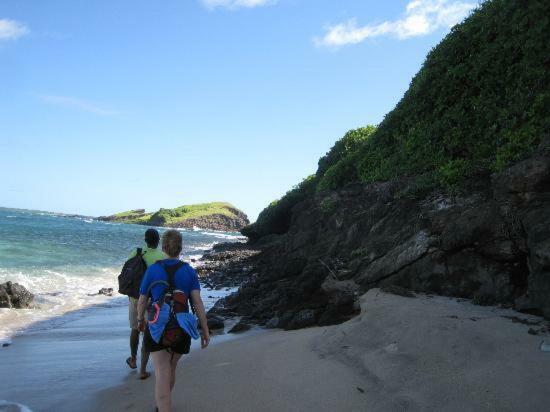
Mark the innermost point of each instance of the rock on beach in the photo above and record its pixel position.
(15, 296)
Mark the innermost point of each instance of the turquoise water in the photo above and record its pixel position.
(64, 261)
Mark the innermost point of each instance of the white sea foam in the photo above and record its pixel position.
(224, 235)
(56, 292)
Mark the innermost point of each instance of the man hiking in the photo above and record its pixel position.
(150, 255)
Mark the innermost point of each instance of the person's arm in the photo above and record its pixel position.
(141, 308)
(142, 301)
(201, 314)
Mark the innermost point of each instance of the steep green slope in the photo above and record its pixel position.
(480, 101)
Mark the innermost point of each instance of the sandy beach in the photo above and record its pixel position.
(419, 354)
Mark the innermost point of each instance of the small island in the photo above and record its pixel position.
(213, 216)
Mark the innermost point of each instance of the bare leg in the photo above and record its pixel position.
(163, 374)
(173, 366)
(144, 360)
(134, 343)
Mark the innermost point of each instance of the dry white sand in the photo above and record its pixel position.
(425, 354)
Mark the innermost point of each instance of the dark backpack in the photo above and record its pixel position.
(178, 302)
(131, 275)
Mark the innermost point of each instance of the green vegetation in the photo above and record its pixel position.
(480, 102)
(276, 217)
(172, 217)
(132, 216)
(338, 165)
(168, 217)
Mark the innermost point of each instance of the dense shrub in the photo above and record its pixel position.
(480, 101)
(339, 164)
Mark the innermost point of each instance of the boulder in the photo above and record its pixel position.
(303, 319)
(272, 323)
(240, 327)
(215, 323)
(14, 295)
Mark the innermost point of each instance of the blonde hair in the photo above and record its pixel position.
(172, 243)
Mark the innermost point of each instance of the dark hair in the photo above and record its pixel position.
(152, 238)
(171, 243)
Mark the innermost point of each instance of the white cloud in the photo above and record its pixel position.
(78, 104)
(11, 29)
(235, 4)
(421, 17)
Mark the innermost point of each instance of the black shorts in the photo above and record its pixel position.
(181, 346)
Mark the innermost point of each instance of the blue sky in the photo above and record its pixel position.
(112, 105)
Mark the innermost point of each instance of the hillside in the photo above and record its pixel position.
(479, 103)
(450, 194)
(214, 216)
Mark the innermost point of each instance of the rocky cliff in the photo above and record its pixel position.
(488, 241)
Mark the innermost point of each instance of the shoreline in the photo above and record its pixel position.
(61, 367)
(400, 353)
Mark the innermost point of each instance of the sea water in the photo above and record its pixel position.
(64, 261)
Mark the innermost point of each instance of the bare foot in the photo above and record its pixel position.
(144, 375)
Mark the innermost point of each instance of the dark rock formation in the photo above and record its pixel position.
(488, 241)
(240, 327)
(105, 291)
(227, 265)
(215, 322)
(14, 295)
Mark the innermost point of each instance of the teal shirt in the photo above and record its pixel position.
(150, 255)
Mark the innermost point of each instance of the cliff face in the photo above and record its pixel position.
(212, 216)
(488, 241)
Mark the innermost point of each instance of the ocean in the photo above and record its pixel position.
(64, 261)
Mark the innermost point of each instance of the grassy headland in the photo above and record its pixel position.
(202, 215)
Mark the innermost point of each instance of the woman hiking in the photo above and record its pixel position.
(173, 288)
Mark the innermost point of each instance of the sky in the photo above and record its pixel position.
(108, 105)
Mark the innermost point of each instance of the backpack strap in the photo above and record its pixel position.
(157, 282)
(141, 254)
(171, 272)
